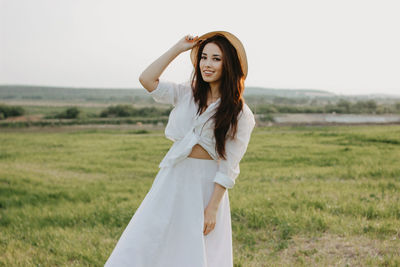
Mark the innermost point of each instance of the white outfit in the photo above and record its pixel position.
(167, 228)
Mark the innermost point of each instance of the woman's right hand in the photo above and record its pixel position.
(187, 42)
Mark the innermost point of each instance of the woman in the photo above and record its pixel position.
(184, 220)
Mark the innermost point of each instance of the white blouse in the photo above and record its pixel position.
(187, 129)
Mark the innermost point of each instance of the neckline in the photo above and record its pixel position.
(207, 108)
(218, 99)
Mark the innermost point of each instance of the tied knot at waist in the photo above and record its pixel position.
(180, 149)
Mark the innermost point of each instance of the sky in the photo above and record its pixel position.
(342, 46)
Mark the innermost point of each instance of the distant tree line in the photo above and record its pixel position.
(342, 107)
(129, 111)
(122, 110)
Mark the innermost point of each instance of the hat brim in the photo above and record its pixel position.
(232, 39)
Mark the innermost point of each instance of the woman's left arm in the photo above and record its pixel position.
(210, 213)
(229, 169)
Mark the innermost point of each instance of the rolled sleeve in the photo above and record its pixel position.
(168, 92)
(228, 169)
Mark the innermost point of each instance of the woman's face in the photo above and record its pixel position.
(211, 63)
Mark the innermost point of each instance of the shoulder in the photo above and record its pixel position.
(246, 115)
(186, 85)
(185, 89)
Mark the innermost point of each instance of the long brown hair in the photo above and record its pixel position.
(231, 90)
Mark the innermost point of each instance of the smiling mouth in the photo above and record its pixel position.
(208, 72)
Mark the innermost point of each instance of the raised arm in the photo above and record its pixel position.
(149, 77)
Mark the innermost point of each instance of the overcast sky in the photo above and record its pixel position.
(343, 46)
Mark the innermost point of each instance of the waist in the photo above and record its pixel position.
(199, 152)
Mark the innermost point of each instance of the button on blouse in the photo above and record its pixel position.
(186, 129)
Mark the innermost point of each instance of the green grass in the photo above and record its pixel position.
(319, 196)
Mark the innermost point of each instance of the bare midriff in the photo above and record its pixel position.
(199, 152)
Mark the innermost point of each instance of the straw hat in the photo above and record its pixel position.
(232, 39)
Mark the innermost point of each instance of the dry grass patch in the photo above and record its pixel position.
(333, 250)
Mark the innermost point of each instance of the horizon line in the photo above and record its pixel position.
(254, 86)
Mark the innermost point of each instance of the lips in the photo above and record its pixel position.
(208, 72)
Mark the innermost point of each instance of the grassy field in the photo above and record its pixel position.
(306, 196)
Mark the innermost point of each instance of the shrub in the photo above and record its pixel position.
(397, 106)
(117, 111)
(267, 117)
(69, 113)
(10, 111)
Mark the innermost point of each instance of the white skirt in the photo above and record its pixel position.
(167, 228)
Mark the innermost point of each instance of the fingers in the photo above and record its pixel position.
(191, 38)
(208, 227)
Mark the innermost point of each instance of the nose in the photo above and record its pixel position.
(207, 62)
